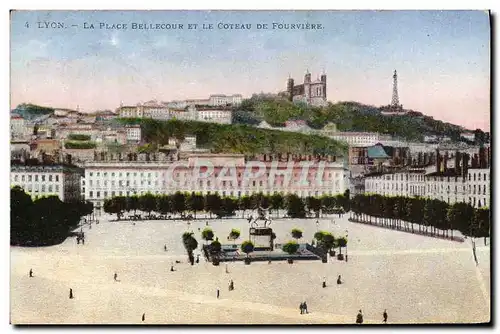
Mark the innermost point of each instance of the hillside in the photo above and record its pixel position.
(349, 116)
(239, 138)
(32, 111)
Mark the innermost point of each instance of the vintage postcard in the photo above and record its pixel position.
(250, 167)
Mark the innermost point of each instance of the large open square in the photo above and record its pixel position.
(417, 279)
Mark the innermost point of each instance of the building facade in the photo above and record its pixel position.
(310, 92)
(44, 180)
(224, 174)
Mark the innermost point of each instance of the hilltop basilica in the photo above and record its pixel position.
(310, 92)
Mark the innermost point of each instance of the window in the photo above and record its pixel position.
(50, 188)
(98, 174)
(105, 194)
(57, 178)
(43, 178)
(98, 195)
(91, 174)
(474, 176)
(16, 177)
(29, 178)
(91, 194)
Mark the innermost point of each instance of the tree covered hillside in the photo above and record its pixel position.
(239, 138)
(349, 116)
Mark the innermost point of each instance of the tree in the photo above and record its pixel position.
(327, 241)
(163, 204)
(247, 247)
(207, 234)
(482, 222)
(147, 203)
(313, 204)
(215, 247)
(115, 205)
(295, 206)
(234, 234)
(341, 242)
(296, 233)
(196, 202)
(319, 236)
(178, 202)
(212, 203)
(245, 203)
(190, 244)
(291, 247)
(228, 207)
(276, 202)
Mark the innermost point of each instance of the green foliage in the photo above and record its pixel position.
(79, 145)
(348, 116)
(178, 202)
(295, 206)
(147, 202)
(46, 221)
(215, 247)
(237, 138)
(78, 137)
(234, 234)
(296, 233)
(247, 247)
(291, 247)
(207, 234)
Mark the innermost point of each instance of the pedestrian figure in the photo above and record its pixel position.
(70, 293)
(165, 248)
(206, 223)
(339, 280)
(31, 272)
(115, 276)
(143, 316)
(359, 318)
(385, 316)
(324, 282)
(78, 240)
(83, 241)
(305, 308)
(346, 258)
(269, 262)
(172, 268)
(198, 258)
(231, 285)
(301, 307)
(227, 271)
(218, 293)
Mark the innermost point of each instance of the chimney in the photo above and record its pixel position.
(438, 161)
(419, 158)
(458, 157)
(465, 165)
(445, 161)
(482, 157)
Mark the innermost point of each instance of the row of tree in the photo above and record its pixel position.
(45, 221)
(180, 203)
(431, 215)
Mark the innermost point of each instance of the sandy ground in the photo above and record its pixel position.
(416, 278)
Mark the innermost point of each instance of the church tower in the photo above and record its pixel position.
(323, 81)
(307, 85)
(289, 88)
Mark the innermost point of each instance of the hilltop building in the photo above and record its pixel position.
(310, 92)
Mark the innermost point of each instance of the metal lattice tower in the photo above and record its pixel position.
(395, 96)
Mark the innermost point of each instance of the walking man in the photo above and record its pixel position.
(301, 307)
(31, 272)
(359, 318)
(305, 308)
(143, 316)
(218, 293)
(385, 316)
(165, 248)
(71, 293)
(115, 276)
(339, 280)
(324, 282)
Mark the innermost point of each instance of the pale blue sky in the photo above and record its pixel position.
(442, 58)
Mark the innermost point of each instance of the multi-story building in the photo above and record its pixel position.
(224, 100)
(457, 184)
(219, 116)
(468, 136)
(225, 174)
(359, 138)
(17, 126)
(48, 180)
(133, 133)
